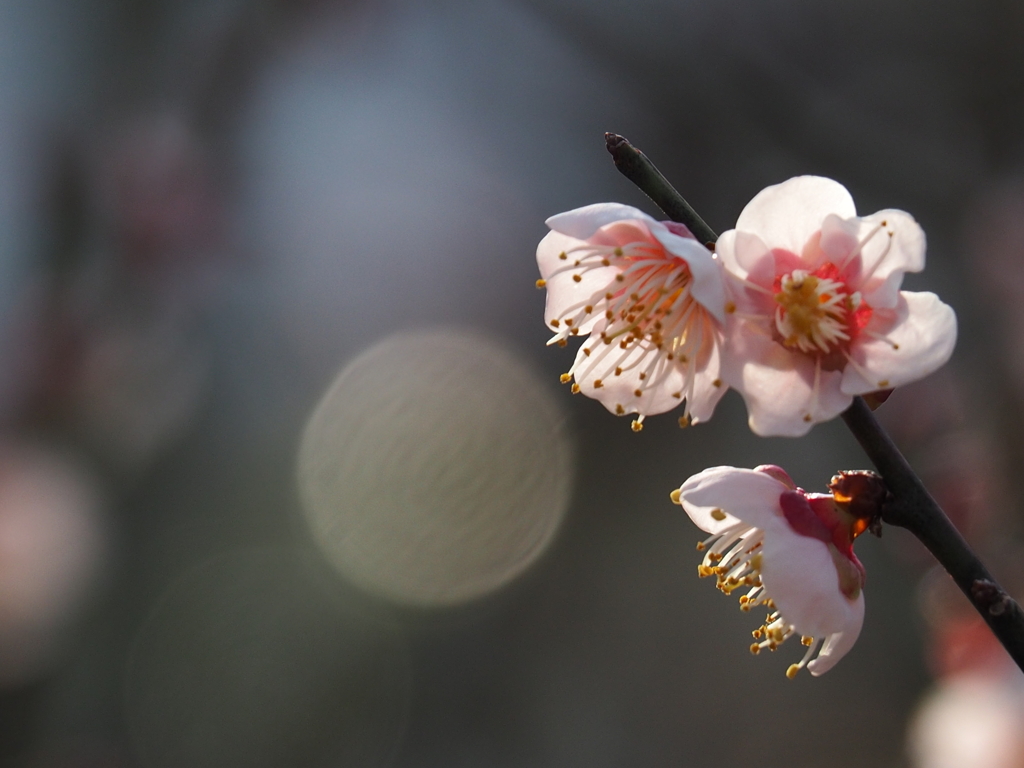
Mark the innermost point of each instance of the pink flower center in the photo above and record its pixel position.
(816, 312)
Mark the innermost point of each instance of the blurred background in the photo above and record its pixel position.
(286, 475)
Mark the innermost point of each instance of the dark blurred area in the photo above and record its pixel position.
(244, 523)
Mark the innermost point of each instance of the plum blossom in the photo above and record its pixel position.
(649, 302)
(790, 552)
(816, 314)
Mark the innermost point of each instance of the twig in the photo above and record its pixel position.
(634, 165)
(911, 506)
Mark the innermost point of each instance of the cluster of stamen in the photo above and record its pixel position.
(813, 312)
(734, 558)
(646, 305)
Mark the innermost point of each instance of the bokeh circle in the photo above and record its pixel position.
(436, 468)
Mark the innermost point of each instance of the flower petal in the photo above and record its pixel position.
(786, 215)
(583, 222)
(742, 494)
(563, 292)
(839, 644)
(707, 388)
(885, 258)
(920, 340)
(662, 387)
(799, 574)
(778, 385)
(708, 286)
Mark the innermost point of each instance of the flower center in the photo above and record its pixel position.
(814, 312)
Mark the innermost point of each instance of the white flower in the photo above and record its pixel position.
(816, 311)
(790, 553)
(650, 302)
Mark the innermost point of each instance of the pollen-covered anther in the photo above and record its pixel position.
(812, 313)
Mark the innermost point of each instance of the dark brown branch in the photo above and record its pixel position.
(634, 165)
(911, 506)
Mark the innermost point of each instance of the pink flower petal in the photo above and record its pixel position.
(886, 258)
(563, 292)
(800, 575)
(663, 379)
(786, 215)
(583, 222)
(839, 644)
(920, 337)
(778, 384)
(708, 285)
(742, 494)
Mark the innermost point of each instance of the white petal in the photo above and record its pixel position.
(563, 292)
(919, 341)
(708, 285)
(619, 391)
(839, 644)
(583, 222)
(799, 574)
(742, 494)
(778, 385)
(839, 237)
(885, 260)
(786, 215)
(745, 255)
(708, 388)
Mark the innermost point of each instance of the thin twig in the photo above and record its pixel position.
(911, 507)
(634, 165)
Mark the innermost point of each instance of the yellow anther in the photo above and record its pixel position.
(565, 378)
(718, 514)
(730, 307)
(806, 640)
(637, 392)
(701, 546)
(637, 425)
(758, 634)
(598, 384)
(555, 323)
(684, 422)
(619, 410)
(675, 495)
(563, 256)
(575, 388)
(716, 383)
(755, 648)
(577, 278)
(541, 283)
(562, 343)
(792, 671)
